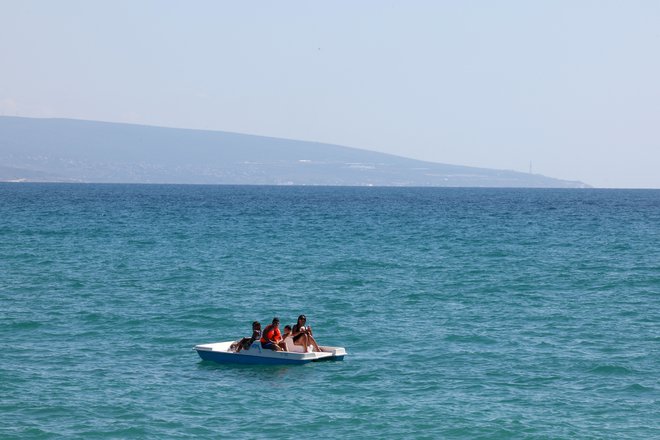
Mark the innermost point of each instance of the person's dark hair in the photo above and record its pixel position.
(302, 317)
(287, 327)
(276, 319)
(256, 324)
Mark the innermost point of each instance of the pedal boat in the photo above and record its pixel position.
(219, 352)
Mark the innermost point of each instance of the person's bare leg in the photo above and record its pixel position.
(316, 346)
(307, 343)
(302, 341)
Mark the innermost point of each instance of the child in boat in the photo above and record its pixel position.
(245, 343)
(286, 334)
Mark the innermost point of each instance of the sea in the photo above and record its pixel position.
(467, 313)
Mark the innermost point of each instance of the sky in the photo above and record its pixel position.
(569, 89)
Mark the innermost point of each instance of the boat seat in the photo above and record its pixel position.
(290, 346)
(256, 345)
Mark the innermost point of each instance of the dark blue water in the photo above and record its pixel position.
(467, 313)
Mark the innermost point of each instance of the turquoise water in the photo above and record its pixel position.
(467, 313)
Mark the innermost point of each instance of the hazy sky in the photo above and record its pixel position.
(572, 86)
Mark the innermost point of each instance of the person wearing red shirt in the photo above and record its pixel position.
(271, 336)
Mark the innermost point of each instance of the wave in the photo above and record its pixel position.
(611, 369)
(638, 388)
(470, 339)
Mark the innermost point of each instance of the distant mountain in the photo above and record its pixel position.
(66, 150)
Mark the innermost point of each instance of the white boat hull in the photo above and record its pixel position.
(219, 352)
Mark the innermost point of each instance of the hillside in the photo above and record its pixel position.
(66, 150)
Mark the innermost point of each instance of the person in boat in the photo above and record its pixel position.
(271, 336)
(286, 334)
(245, 343)
(302, 334)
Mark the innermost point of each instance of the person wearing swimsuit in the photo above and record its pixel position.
(302, 335)
(245, 343)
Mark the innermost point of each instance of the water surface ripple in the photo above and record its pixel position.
(467, 313)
